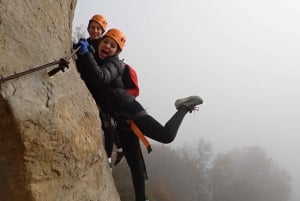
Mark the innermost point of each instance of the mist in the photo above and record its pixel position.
(241, 57)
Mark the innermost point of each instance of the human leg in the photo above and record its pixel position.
(132, 151)
(156, 131)
(167, 133)
(119, 149)
(108, 131)
(151, 127)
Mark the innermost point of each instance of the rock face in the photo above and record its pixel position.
(51, 146)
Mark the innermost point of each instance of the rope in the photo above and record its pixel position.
(62, 63)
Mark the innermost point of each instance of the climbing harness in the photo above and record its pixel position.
(140, 135)
(135, 129)
(62, 64)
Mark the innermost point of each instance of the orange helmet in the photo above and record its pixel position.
(100, 20)
(118, 36)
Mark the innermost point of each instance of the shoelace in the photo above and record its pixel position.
(193, 109)
(196, 108)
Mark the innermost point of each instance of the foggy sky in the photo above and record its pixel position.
(241, 57)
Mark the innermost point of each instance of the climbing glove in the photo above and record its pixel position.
(84, 46)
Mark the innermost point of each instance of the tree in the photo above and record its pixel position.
(123, 181)
(199, 157)
(248, 174)
(162, 166)
(181, 173)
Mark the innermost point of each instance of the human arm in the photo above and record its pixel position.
(99, 73)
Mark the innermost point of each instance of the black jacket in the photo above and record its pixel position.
(94, 46)
(103, 78)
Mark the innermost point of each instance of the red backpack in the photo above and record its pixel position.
(130, 80)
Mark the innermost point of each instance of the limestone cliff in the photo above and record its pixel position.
(51, 146)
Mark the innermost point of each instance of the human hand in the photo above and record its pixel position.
(83, 43)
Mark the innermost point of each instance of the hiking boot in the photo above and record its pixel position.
(119, 157)
(189, 103)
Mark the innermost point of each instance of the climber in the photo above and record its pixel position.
(96, 28)
(103, 77)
